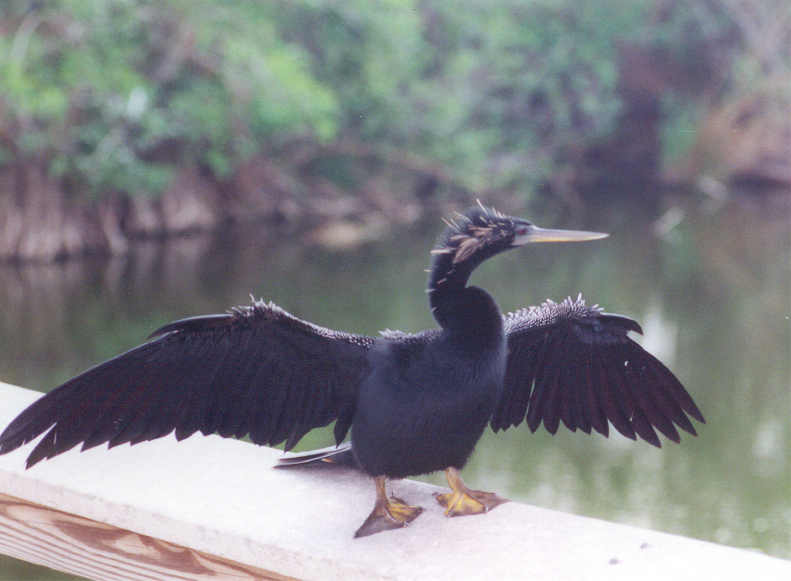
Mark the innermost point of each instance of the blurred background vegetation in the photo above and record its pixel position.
(129, 118)
(190, 152)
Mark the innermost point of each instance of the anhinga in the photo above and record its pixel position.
(415, 403)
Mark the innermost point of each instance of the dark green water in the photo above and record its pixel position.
(712, 294)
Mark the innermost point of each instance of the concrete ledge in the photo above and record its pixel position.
(221, 498)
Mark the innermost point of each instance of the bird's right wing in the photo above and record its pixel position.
(254, 371)
(573, 363)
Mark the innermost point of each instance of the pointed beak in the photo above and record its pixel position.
(536, 234)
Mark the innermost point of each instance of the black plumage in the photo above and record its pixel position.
(415, 403)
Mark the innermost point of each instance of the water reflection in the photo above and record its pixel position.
(712, 294)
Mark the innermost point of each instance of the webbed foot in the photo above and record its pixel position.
(462, 501)
(388, 513)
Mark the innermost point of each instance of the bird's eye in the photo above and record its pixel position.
(521, 230)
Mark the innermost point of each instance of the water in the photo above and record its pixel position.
(711, 292)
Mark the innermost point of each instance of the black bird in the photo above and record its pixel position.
(415, 403)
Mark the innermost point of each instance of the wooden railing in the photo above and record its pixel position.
(208, 508)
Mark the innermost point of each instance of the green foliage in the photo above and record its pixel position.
(488, 89)
(119, 92)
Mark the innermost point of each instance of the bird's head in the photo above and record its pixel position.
(482, 232)
(471, 238)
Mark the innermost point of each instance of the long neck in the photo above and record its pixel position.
(473, 317)
(456, 307)
(446, 283)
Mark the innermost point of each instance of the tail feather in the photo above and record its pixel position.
(340, 455)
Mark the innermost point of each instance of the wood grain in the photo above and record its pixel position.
(98, 551)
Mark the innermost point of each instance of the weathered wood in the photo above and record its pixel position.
(220, 502)
(94, 550)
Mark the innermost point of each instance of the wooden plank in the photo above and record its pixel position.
(221, 499)
(94, 550)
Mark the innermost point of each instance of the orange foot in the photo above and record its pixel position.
(462, 501)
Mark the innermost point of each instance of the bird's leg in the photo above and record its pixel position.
(462, 501)
(388, 513)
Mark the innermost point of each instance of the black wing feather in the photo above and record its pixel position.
(571, 363)
(572, 413)
(617, 408)
(254, 371)
(574, 400)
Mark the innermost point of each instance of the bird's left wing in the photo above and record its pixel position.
(573, 363)
(255, 371)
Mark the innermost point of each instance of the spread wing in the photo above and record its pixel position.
(573, 363)
(254, 371)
